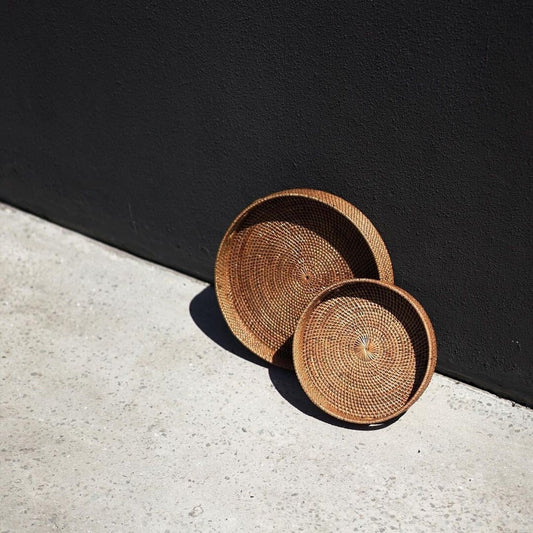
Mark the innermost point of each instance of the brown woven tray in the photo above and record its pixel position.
(364, 351)
(283, 250)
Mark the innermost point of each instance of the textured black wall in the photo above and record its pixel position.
(150, 125)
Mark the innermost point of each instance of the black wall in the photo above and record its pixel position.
(150, 125)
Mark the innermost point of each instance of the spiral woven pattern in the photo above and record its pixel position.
(364, 351)
(282, 251)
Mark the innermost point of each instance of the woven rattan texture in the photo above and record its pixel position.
(280, 253)
(364, 351)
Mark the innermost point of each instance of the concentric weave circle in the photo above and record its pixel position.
(364, 351)
(282, 251)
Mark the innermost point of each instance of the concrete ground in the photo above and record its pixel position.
(126, 405)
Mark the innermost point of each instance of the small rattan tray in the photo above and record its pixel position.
(283, 250)
(364, 351)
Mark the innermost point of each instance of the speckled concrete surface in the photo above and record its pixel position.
(127, 406)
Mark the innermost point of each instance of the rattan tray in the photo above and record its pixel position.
(283, 250)
(364, 351)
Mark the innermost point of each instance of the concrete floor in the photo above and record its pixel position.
(126, 405)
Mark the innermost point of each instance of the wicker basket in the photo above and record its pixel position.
(364, 351)
(281, 252)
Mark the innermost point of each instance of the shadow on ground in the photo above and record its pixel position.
(289, 387)
(206, 314)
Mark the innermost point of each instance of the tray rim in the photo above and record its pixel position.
(430, 334)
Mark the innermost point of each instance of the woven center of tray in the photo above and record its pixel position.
(283, 254)
(366, 349)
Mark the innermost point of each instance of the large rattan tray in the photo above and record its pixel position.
(364, 351)
(283, 250)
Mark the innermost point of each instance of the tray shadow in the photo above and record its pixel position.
(206, 314)
(287, 384)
